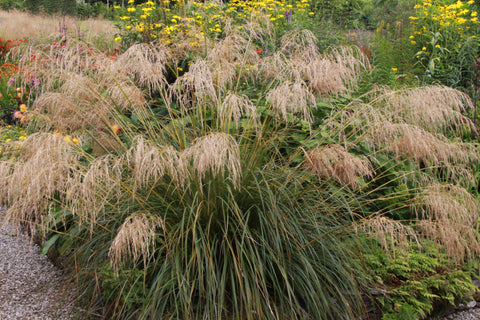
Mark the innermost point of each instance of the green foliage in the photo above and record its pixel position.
(132, 293)
(51, 6)
(392, 55)
(354, 14)
(11, 5)
(445, 38)
(414, 282)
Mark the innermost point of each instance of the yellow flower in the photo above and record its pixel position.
(437, 46)
(424, 48)
(128, 27)
(413, 42)
(131, 1)
(143, 16)
(118, 38)
(394, 69)
(23, 107)
(131, 9)
(179, 69)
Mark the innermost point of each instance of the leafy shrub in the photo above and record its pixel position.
(445, 36)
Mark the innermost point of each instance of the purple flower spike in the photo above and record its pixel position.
(288, 15)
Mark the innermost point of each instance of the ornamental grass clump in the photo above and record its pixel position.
(193, 198)
(232, 239)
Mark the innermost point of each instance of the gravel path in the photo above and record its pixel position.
(471, 314)
(31, 288)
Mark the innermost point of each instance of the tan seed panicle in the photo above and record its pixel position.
(216, 152)
(135, 238)
(335, 162)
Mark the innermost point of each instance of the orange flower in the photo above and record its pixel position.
(115, 128)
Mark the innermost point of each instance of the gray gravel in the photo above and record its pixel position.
(470, 314)
(31, 288)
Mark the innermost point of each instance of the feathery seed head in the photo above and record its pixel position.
(135, 238)
(196, 85)
(214, 153)
(450, 215)
(292, 98)
(42, 173)
(391, 234)
(147, 62)
(234, 106)
(151, 162)
(335, 162)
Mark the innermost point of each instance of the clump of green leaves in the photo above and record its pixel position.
(414, 281)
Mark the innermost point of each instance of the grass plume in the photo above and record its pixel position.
(449, 215)
(134, 238)
(335, 162)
